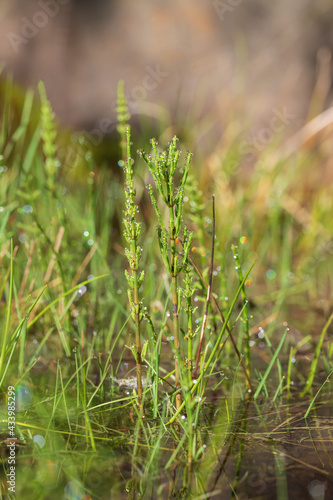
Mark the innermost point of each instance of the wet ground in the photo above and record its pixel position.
(258, 450)
(281, 454)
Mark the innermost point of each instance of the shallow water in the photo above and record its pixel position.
(257, 450)
(281, 454)
(248, 449)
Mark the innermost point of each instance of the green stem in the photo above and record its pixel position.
(175, 305)
(137, 334)
(245, 310)
(176, 337)
(216, 346)
(190, 341)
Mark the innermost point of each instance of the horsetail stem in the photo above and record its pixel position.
(163, 168)
(132, 231)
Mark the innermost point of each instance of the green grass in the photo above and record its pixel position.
(72, 330)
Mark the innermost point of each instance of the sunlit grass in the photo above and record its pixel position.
(68, 332)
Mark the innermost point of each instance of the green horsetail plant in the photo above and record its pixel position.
(48, 135)
(163, 168)
(132, 231)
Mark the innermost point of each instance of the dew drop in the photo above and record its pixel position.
(271, 274)
(38, 439)
(23, 238)
(27, 209)
(82, 290)
(261, 334)
(23, 398)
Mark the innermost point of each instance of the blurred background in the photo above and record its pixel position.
(249, 61)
